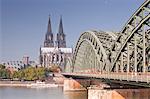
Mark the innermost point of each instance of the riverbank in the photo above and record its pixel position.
(22, 83)
(58, 79)
(15, 83)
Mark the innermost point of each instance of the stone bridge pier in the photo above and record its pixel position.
(71, 84)
(76, 84)
(97, 89)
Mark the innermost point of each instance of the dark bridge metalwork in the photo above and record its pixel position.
(119, 56)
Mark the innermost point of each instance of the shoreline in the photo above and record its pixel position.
(19, 84)
(15, 83)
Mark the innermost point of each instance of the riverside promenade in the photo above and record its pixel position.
(15, 83)
(58, 79)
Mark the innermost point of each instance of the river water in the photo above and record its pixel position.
(35, 93)
(57, 93)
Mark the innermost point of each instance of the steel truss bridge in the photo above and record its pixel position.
(119, 56)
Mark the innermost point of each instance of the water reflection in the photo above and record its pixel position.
(76, 95)
(36, 93)
(57, 93)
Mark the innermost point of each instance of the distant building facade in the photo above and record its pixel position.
(19, 64)
(54, 52)
(25, 60)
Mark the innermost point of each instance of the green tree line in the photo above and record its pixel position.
(29, 73)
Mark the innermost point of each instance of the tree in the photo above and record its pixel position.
(41, 72)
(4, 73)
(31, 73)
(2, 66)
(15, 74)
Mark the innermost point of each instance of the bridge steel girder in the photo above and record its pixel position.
(68, 67)
(137, 30)
(126, 51)
(99, 43)
(123, 56)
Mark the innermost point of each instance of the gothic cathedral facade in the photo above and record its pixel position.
(54, 52)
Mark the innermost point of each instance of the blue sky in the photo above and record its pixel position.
(23, 23)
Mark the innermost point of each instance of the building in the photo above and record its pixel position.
(54, 52)
(25, 60)
(19, 64)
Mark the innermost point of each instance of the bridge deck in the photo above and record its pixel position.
(144, 78)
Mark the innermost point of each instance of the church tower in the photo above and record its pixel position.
(61, 37)
(48, 42)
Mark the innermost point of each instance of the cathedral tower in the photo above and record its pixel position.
(48, 42)
(61, 37)
(54, 54)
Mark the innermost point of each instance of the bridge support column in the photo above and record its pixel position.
(98, 93)
(75, 84)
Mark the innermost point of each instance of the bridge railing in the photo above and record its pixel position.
(137, 77)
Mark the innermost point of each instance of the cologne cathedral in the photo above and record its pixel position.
(54, 52)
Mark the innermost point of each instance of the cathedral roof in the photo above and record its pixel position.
(55, 50)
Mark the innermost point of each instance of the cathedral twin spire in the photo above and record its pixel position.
(60, 26)
(49, 40)
(49, 29)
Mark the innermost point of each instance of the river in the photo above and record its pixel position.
(33, 93)
(57, 93)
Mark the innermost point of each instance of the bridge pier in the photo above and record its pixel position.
(98, 93)
(75, 85)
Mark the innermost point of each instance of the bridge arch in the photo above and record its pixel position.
(133, 42)
(126, 51)
(92, 48)
(68, 66)
(121, 56)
